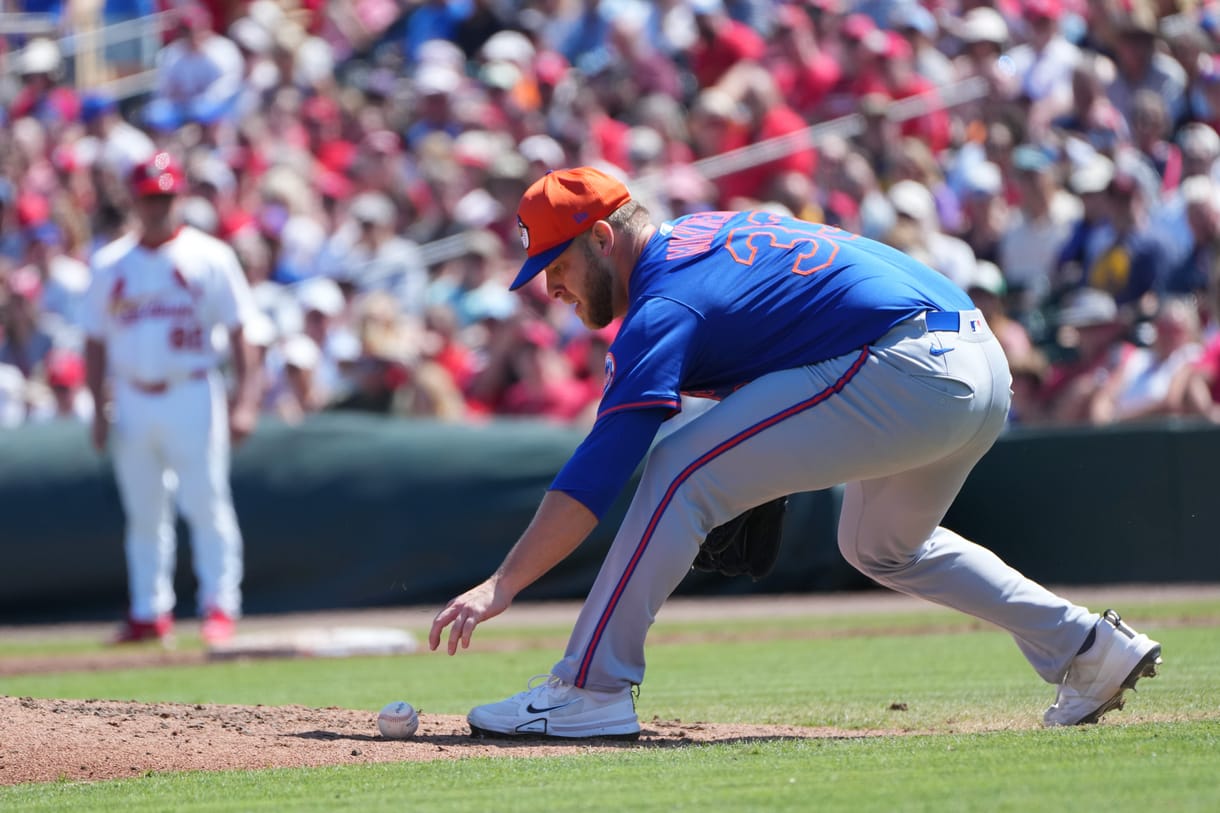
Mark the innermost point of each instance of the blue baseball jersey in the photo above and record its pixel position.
(721, 298)
(718, 299)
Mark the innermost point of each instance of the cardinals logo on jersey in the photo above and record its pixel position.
(127, 310)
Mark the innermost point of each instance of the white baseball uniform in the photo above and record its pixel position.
(156, 309)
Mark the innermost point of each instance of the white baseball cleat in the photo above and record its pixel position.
(553, 708)
(1098, 677)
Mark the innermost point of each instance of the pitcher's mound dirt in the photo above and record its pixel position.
(47, 740)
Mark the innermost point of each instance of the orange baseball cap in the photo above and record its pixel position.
(557, 208)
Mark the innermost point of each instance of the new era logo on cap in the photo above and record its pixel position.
(557, 208)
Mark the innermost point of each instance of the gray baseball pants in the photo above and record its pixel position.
(901, 423)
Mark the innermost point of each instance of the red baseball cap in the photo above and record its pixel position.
(559, 207)
(1050, 9)
(857, 26)
(65, 369)
(158, 175)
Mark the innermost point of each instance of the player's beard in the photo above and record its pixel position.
(599, 289)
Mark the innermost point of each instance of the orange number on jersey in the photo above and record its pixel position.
(817, 243)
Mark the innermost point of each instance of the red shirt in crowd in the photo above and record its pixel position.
(732, 42)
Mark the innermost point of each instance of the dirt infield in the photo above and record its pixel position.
(48, 739)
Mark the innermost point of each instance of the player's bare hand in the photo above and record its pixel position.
(100, 430)
(241, 423)
(465, 612)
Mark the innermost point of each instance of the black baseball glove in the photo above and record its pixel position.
(748, 544)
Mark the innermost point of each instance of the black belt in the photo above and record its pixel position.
(943, 321)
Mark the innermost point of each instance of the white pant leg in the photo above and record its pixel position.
(140, 472)
(889, 530)
(863, 417)
(198, 451)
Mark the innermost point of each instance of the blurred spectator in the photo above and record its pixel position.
(984, 39)
(643, 66)
(13, 406)
(379, 368)
(721, 42)
(24, 343)
(1092, 332)
(984, 210)
(878, 134)
(1200, 149)
(1046, 62)
(1137, 258)
(468, 286)
(65, 380)
(1201, 200)
(1029, 373)
(1198, 387)
(917, 232)
(914, 161)
(901, 81)
(1146, 384)
(42, 96)
(1092, 232)
(804, 72)
(1092, 115)
(919, 26)
(763, 116)
(862, 198)
(293, 391)
(987, 290)
(323, 308)
(199, 74)
(366, 253)
(1033, 237)
(1150, 130)
(485, 18)
(587, 357)
(433, 20)
(543, 384)
(1141, 65)
(576, 29)
(120, 145)
(434, 86)
(63, 281)
(1191, 47)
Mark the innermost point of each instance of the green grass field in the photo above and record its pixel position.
(969, 741)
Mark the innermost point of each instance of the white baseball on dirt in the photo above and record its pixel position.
(397, 720)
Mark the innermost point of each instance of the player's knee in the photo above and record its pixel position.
(875, 561)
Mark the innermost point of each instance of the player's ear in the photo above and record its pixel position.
(601, 238)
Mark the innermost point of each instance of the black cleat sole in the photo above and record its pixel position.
(486, 733)
(1147, 667)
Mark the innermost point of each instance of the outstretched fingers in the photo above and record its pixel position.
(461, 621)
(443, 619)
(465, 613)
(460, 632)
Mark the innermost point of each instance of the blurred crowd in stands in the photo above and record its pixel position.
(1058, 159)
